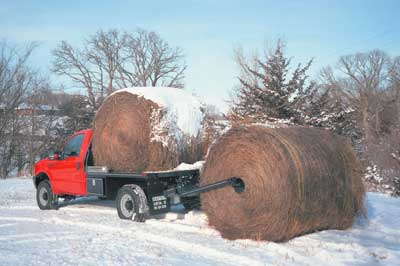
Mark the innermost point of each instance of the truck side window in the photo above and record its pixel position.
(73, 146)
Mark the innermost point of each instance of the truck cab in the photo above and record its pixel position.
(66, 169)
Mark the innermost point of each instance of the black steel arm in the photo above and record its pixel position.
(236, 182)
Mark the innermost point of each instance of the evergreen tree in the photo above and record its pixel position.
(78, 114)
(325, 108)
(267, 90)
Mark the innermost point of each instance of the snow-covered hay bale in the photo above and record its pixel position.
(139, 129)
(297, 180)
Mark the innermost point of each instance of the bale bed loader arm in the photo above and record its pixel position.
(236, 183)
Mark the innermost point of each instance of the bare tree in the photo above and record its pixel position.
(25, 131)
(367, 84)
(151, 61)
(94, 67)
(16, 81)
(111, 60)
(395, 84)
(367, 76)
(105, 52)
(40, 129)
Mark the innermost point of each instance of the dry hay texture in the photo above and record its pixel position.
(122, 137)
(297, 180)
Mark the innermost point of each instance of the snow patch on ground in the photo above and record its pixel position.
(182, 108)
(88, 231)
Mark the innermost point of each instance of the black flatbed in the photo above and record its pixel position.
(106, 184)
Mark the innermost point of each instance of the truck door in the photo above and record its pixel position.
(69, 171)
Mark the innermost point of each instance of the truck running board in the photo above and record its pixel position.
(236, 182)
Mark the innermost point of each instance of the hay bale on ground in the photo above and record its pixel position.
(141, 129)
(297, 180)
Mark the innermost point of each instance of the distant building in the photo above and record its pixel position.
(43, 109)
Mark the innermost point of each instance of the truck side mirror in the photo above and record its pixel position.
(55, 155)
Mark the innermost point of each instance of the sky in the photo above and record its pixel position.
(209, 31)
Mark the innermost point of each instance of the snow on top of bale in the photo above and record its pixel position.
(183, 109)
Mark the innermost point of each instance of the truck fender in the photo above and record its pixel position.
(39, 178)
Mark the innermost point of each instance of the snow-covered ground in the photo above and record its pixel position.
(89, 232)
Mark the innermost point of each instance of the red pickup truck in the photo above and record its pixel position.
(71, 173)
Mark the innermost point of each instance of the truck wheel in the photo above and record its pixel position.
(132, 203)
(44, 196)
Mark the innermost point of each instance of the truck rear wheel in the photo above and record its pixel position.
(132, 203)
(45, 198)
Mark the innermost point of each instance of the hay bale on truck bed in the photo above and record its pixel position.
(297, 180)
(140, 129)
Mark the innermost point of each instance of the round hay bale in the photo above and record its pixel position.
(122, 136)
(297, 180)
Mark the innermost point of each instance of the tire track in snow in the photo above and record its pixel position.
(92, 209)
(7, 225)
(153, 221)
(48, 239)
(19, 219)
(35, 236)
(177, 244)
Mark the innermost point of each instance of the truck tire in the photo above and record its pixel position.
(45, 198)
(132, 203)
